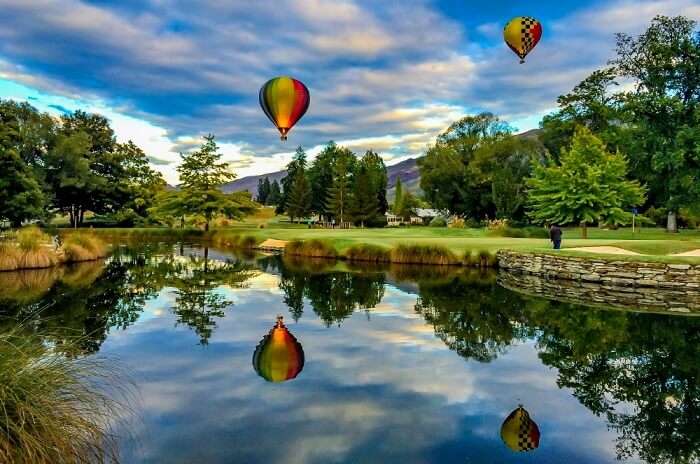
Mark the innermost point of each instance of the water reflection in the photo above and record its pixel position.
(279, 356)
(519, 432)
(637, 374)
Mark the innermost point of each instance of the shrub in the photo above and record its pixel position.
(31, 238)
(10, 256)
(311, 248)
(480, 258)
(262, 226)
(369, 253)
(423, 254)
(438, 221)
(247, 242)
(456, 223)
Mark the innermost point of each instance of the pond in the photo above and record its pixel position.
(365, 365)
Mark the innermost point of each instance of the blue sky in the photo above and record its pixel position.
(387, 75)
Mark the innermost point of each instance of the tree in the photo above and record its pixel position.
(21, 197)
(447, 172)
(202, 174)
(263, 191)
(398, 197)
(407, 206)
(589, 186)
(299, 201)
(664, 108)
(322, 174)
(365, 199)
(275, 195)
(375, 169)
(339, 195)
(298, 164)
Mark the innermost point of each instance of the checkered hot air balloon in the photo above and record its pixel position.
(522, 35)
(279, 356)
(519, 432)
(284, 100)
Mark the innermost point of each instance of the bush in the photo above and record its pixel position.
(423, 254)
(31, 238)
(10, 256)
(369, 253)
(247, 242)
(83, 246)
(480, 258)
(311, 248)
(438, 221)
(456, 223)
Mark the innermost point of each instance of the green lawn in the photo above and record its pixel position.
(654, 242)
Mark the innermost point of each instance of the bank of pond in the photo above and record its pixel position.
(289, 319)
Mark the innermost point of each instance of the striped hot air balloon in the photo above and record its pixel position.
(284, 100)
(522, 35)
(519, 432)
(279, 356)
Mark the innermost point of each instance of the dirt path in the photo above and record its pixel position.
(610, 250)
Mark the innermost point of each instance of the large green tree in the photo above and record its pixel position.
(322, 174)
(339, 195)
(299, 201)
(364, 207)
(21, 196)
(296, 165)
(202, 173)
(663, 64)
(589, 186)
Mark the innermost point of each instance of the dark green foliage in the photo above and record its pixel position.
(300, 197)
(21, 196)
(339, 193)
(368, 253)
(311, 248)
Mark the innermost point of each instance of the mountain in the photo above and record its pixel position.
(407, 170)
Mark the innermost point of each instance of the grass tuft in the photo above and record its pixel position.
(368, 253)
(55, 409)
(10, 256)
(423, 254)
(82, 246)
(314, 248)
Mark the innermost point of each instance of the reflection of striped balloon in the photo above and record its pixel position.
(279, 356)
(284, 100)
(519, 432)
(522, 35)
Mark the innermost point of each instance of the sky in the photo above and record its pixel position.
(383, 75)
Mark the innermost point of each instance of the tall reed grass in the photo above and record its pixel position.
(235, 241)
(423, 254)
(36, 249)
(83, 246)
(56, 410)
(311, 248)
(480, 258)
(368, 253)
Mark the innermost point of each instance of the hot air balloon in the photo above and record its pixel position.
(519, 432)
(284, 100)
(522, 34)
(279, 356)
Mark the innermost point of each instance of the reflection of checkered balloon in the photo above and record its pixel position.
(519, 432)
(522, 35)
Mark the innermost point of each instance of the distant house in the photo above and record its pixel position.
(393, 220)
(424, 215)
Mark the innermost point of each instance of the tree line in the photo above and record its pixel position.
(336, 186)
(607, 149)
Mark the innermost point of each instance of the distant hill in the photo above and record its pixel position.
(407, 170)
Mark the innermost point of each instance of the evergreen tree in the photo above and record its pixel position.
(339, 194)
(299, 201)
(398, 197)
(261, 197)
(365, 203)
(266, 191)
(322, 173)
(21, 197)
(202, 174)
(298, 164)
(376, 169)
(275, 194)
(589, 186)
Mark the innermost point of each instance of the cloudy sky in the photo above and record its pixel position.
(387, 75)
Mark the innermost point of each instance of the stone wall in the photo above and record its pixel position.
(615, 272)
(604, 294)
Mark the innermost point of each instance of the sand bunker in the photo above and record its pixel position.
(689, 253)
(273, 244)
(610, 250)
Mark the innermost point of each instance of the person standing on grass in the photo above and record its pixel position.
(555, 234)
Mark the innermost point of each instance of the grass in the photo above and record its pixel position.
(314, 248)
(368, 253)
(55, 410)
(234, 240)
(423, 254)
(83, 246)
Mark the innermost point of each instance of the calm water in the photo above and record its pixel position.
(375, 366)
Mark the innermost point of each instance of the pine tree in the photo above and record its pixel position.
(589, 186)
(297, 164)
(299, 201)
(275, 194)
(339, 194)
(262, 195)
(398, 197)
(266, 191)
(365, 204)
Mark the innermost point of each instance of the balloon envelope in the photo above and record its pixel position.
(522, 35)
(284, 100)
(519, 432)
(279, 356)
